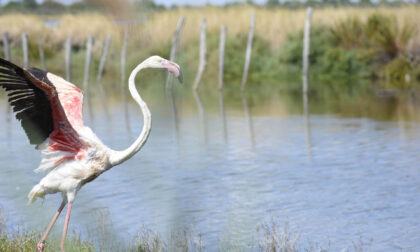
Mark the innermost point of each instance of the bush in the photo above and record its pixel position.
(355, 49)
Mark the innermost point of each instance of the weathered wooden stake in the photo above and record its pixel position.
(222, 55)
(306, 43)
(25, 50)
(89, 45)
(41, 53)
(103, 58)
(100, 71)
(248, 52)
(174, 48)
(6, 46)
(202, 63)
(67, 58)
(123, 89)
(123, 58)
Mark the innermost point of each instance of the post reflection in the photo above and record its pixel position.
(201, 115)
(248, 119)
(223, 116)
(306, 122)
(173, 110)
(90, 110)
(126, 112)
(102, 98)
(8, 119)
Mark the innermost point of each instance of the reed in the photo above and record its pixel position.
(271, 45)
(272, 24)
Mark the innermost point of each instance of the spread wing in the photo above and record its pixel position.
(29, 102)
(70, 96)
(36, 102)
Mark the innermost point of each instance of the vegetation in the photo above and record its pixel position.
(351, 49)
(351, 44)
(270, 237)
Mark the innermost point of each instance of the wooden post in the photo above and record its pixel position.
(123, 57)
(103, 58)
(41, 54)
(306, 43)
(89, 45)
(174, 48)
(100, 71)
(67, 58)
(222, 55)
(248, 52)
(123, 89)
(202, 63)
(25, 50)
(7, 56)
(88, 60)
(6, 46)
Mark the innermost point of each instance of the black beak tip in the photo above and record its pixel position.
(180, 78)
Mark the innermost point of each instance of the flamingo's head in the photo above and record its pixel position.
(159, 62)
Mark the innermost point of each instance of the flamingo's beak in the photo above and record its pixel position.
(174, 68)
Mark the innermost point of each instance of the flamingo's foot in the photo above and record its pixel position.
(41, 246)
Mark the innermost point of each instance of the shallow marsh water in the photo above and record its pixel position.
(345, 172)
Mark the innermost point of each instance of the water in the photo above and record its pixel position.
(347, 172)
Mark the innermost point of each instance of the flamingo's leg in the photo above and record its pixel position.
(42, 242)
(66, 225)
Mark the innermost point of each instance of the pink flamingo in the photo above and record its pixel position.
(50, 111)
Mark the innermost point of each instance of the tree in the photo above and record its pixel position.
(271, 3)
(29, 4)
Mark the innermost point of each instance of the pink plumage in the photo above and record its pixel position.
(50, 111)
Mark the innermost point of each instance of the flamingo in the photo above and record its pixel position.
(50, 111)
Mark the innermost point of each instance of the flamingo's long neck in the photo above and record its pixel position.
(117, 157)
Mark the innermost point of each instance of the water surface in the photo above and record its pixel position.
(345, 171)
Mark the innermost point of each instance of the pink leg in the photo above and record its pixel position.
(42, 242)
(66, 225)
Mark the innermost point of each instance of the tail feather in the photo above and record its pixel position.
(37, 191)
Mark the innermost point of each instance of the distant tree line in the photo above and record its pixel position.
(55, 7)
(362, 3)
(121, 6)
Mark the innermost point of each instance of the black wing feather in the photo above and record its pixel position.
(29, 102)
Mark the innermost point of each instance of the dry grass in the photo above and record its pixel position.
(272, 24)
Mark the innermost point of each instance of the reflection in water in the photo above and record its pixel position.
(201, 115)
(102, 98)
(362, 169)
(88, 99)
(172, 108)
(8, 118)
(223, 116)
(248, 119)
(307, 122)
(126, 114)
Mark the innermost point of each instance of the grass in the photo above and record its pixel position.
(270, 236)
(272, 24)
(277, 37)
